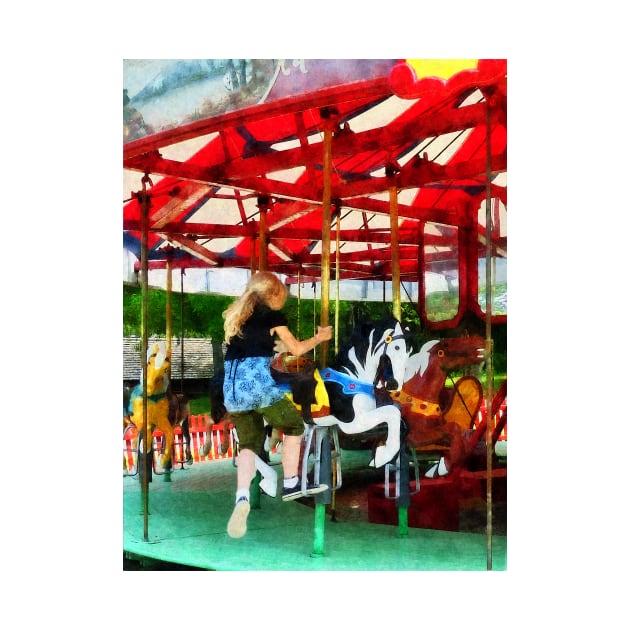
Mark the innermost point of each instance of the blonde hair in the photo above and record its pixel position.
(262, 287)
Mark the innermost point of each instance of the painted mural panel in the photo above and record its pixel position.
(162, 94)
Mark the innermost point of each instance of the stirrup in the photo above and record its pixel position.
(396, 468)
(335, 454)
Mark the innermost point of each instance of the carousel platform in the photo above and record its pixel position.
(187, 518)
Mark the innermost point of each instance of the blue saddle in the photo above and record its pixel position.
(350, 385)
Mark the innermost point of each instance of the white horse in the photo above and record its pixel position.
(372, 363)
(354, 394)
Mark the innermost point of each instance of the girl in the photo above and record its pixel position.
(251, 324)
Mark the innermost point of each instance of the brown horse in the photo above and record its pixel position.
(438, 416)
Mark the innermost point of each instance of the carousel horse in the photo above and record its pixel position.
(437, 416)
(218, 415)
(165, 410)
(366, 370)
(179, 415)
(353, 393)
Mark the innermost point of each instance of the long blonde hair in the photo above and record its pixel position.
(262, 287)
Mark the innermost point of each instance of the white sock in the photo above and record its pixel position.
(291, 482)
(242, 494)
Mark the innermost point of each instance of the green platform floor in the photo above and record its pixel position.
(188, 517)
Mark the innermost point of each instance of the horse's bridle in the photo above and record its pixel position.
(385, 343)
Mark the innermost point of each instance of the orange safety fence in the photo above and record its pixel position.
(201, 431)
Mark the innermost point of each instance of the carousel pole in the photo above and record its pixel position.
(181, 329)
(252, 256)
(326, 218)
(421, 307)
(169, 328)
(337, 278)
(299, 299)
(314, 287)
(325, 497)
(403, 500)
(263, 205)
(489, 346)
(169, 308)
(145, 204)
(393, 221)
(333, 470)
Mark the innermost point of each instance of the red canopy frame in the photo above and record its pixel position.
(254, 186)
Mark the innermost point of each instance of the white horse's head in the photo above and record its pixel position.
(397, 351)
(386, 341)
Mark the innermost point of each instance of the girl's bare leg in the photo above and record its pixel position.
(246, 468)
(291, 455)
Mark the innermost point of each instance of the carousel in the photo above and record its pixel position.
(331, 174)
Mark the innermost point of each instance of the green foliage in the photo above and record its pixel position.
(202, 316)
(442, 305)
(499, 354)
(199, 405)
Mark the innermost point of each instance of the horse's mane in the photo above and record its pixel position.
(419, 362)
(362, 340)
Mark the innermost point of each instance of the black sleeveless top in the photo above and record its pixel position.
(256, 340)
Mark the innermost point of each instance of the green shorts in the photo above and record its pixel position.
(250, 428)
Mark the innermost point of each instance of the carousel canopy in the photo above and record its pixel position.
(249, 163)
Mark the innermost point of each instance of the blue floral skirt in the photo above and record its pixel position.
(249, 385)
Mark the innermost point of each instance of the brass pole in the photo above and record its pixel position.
(422, 301)
(320, 508)
(169, 309)
(337, 276)
(314, 285)
(252, 256)
(325, 262)
(403, 503)
(393, 220)
(145, 204)
(262, 240)
(181, 330)
(488, 348)
(299, 299)
(333, 472)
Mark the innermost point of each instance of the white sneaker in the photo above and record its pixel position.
(237, 525)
